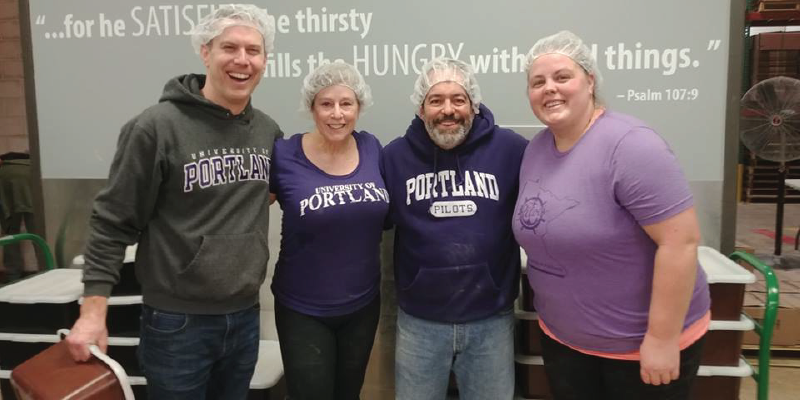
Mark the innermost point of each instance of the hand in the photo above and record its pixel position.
(659, 360)
(89, 329)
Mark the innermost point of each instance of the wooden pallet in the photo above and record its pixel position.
(759, 181)
(780, 356)
(777, 5)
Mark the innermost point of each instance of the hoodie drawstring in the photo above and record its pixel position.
(460, 179)
(431, 199)
(459, 174)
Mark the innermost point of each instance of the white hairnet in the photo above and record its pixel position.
(212, 25)
(446, 70)
(336, 73)
(568, 44)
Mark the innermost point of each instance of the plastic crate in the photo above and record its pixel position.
(528, 333)
(719, 382)
(128, 284)
(530, 377)
(41, 304)
(727, 282)
(724, 341)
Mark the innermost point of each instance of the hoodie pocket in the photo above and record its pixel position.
(225, 267)
(453, 287)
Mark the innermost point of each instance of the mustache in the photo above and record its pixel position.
(449, 119)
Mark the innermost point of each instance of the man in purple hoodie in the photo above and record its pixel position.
(453, 180)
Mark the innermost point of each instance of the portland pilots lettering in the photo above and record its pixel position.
(226, 166)
(447, 183)
(334, 195)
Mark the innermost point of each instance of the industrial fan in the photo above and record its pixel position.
(769, 128)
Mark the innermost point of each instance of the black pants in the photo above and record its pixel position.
(575, 375)
(326, 357)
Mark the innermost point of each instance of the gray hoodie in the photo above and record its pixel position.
(189, 182)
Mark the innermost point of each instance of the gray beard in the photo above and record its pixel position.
(449, 139)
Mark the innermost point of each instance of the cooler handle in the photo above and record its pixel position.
(116, 368)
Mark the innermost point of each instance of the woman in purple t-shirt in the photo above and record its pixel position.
(327, 277)
(606, 218)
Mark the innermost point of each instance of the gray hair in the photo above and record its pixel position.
(213, 24)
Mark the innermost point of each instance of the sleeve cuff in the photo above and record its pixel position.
(97, 288)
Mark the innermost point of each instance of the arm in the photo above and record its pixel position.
(121, 211)
(675, 267)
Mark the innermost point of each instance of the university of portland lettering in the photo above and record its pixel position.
(334, 195)
(446, 184)
(225, 167)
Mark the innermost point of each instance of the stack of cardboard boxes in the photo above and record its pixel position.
(786, 330)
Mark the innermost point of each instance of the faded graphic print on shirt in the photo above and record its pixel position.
(538, 208)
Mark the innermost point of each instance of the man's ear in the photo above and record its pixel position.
(204, 53)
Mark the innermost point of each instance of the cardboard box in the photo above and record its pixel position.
(786, 329)
(788, 280)
(744, 247)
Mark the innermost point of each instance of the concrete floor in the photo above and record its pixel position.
(756, 224)
(783, 382)
(754, 221)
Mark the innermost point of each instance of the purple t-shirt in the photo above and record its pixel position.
(329, 262)
(578, 217)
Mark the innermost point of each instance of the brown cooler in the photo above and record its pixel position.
(54, 375)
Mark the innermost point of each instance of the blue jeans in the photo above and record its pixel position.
(481, 354)
(187, 356)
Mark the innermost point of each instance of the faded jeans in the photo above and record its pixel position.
(481, 354)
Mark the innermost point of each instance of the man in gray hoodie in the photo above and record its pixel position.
(189, 184)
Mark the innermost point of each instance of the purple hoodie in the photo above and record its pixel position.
(456, 259)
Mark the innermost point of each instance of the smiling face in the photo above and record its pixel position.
(235, 62)
(335, 110)
(448, 114)
(560, 92)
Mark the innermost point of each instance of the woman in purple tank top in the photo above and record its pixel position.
(606, 218)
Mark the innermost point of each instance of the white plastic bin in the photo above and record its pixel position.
(128, 285)
(41, 304)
